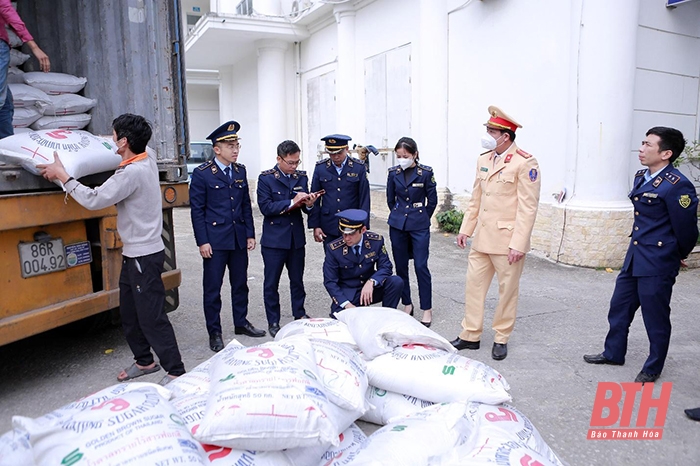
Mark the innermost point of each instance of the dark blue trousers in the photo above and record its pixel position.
(653, 294)
(274, 261)
(214, 268)
(388, 293)
(406, 245)
(144, 321)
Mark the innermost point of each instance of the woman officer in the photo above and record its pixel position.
(411, 195)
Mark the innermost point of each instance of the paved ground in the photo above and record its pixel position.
(562, 316)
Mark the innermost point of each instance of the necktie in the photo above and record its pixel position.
(356, 250)
(227, 172)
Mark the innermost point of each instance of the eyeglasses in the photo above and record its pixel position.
(235, 146)
(292, 164)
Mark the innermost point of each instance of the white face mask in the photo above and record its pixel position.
(488, 142)
(405, 162)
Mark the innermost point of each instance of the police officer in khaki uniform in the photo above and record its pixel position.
(499, 218)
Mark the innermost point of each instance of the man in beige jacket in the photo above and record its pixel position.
(499, 218)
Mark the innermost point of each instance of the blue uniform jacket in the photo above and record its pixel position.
(220, 209)
(665, 226)
(349, 190)
(282, 228)
(344, 273)
(411, 203)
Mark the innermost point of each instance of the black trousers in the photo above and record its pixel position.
(653, 294)
(274, 261)
(144, 321)
(214, 269)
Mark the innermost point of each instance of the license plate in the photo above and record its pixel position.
(42, 257)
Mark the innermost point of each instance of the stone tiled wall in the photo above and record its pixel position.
(587, 237)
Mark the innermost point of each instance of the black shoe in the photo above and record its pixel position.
(249, 330)
(273, 329)
(693, 414)
(332, 316)
(216, 343)
(427, 324)
(643, 377)
(463, 344)
(499, 351)
(305, 316)
(599, 359)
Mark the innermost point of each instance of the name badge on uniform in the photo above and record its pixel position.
(417, 185)
(651, 195)
(352, 175)
(418, 204)
(298, 188)
(371, 254)
(484, 169)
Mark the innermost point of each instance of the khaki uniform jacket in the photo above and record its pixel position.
(502, 210)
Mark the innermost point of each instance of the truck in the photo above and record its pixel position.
(59, 262)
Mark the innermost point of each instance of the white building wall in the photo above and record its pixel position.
(239, 101)
(317, 70)
(202, 110)
(537, 61)
(668, 71)
(514, 55)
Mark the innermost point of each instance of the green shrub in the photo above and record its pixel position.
(450, 220)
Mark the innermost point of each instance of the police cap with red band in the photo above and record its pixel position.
(499, 120)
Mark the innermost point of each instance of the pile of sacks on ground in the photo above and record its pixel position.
(45, 100)
(294, 401)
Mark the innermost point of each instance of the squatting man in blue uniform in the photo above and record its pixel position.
(283, 194)
(346, 186)
(357, 270)
(665, 231)
(222, 218)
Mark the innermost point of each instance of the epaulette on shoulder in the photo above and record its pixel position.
(268, 172)
(672, 178)
(322, 161)
(373, 236)
(301, 172)
(425, 167)
(484, 153)
(640, 172)
(522, 153)
(239, 165)
(337, 243)
(391, 169)
(358, 160)
(205, 165)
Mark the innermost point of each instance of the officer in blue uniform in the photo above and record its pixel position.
(357, 270)
(222, 218)
(411, 195)
(346, 184)
(664, 233)
(282, 196)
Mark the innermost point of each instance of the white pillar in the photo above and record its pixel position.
(607, 50)
(272, 99)
(345, 97)
(226, 110)
(432, 88)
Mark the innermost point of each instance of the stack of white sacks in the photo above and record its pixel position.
(45, 100)
(294, 401)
